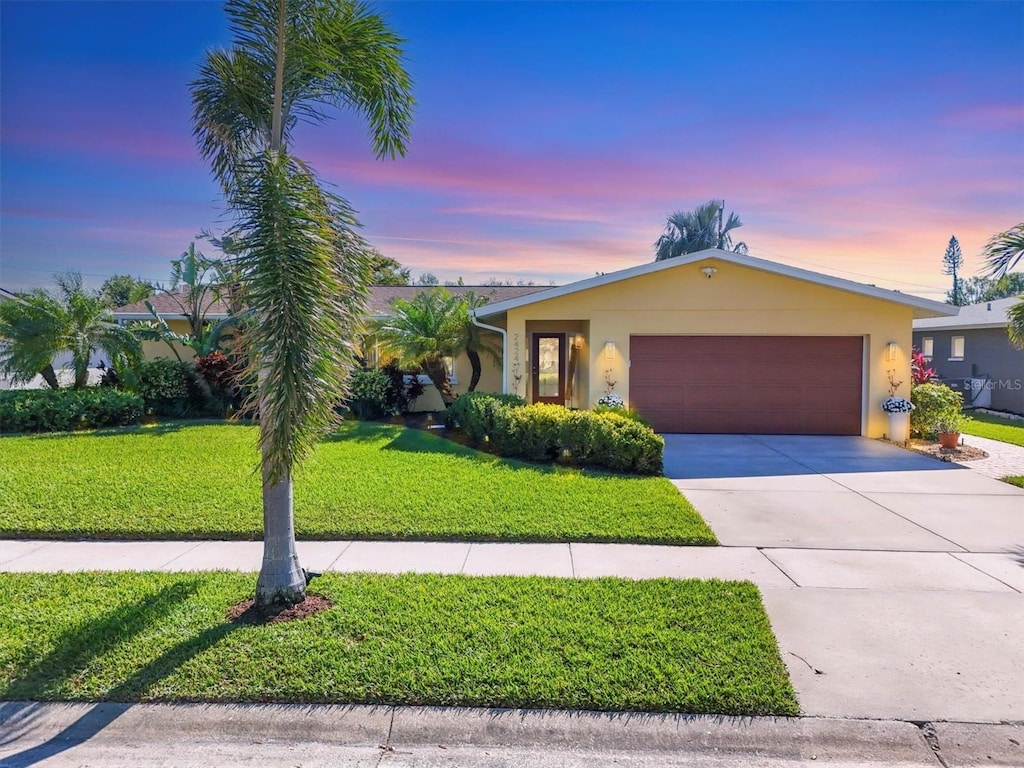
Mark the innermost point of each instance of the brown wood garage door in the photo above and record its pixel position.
(774, 385)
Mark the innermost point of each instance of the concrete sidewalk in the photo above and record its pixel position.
(769, 568)
(147, 735)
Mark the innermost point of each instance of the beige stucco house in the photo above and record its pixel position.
(714, 342)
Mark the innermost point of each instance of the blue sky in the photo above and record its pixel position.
(551, 139)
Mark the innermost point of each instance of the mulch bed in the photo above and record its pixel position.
(246, 611)
(936, 451)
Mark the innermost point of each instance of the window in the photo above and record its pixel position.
(928, 348)
(449, 366)
(956, 348)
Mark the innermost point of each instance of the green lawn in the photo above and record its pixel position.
(1015, 480)
(188, 480)
(610, 644)
(1005, 430)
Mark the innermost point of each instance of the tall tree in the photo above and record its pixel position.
(388, 271)
(38, 325)
(1004, 250)
(119, 290)
(978, 289)
(692, 231)
(952, 261)
(303, 267)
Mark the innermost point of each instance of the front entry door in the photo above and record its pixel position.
(549, 368)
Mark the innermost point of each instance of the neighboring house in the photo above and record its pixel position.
(971, 351)
(716, 342)
(378, 304)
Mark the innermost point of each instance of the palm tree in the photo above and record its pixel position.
(302, 266)
(1004, 250)
(1002, 253)
(1015, 329)
(38, 325)
(424, 331)
(696, 230)
(475, 340)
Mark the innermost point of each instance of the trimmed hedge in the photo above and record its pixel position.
(474, 412)
(541, 432)
(61, 410)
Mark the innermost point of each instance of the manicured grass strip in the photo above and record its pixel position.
(1017, 480)
(186, 481)
(610, 644)
(995, 428)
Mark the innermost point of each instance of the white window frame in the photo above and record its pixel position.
(928, 347)
(953, 347)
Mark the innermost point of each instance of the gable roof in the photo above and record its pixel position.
(378, 302)
(988, 314)
(921, 307)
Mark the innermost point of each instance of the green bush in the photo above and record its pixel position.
(609, 438)
(474, 412)
(933, 403)
(174, 389)
(375, 393)
(62, 410)
(628, 413)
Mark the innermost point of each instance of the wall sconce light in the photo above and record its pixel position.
(609, 350)
(890, 351)
(577, 341)
(708, 272)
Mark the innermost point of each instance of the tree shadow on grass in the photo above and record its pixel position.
(78, 648)
(142, 430)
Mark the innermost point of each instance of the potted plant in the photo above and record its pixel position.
(899, 409)
(949, 426)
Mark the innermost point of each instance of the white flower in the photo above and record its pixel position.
(611, 400)
(894, 404)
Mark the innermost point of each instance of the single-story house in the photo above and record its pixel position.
(972, 352)
(709, 342)
(716, 342)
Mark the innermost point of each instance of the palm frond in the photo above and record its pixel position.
(1004, 251)
(301, 265)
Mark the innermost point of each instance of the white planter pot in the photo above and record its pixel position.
(899, 427)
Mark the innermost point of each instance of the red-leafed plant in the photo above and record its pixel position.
(919, 370)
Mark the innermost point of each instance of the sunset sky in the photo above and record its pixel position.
(551, 139)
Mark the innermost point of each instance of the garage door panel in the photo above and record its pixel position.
(748, 384)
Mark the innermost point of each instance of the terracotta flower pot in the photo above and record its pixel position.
(949, 439)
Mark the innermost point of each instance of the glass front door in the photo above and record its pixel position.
(549, 368)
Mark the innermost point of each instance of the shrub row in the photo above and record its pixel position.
(62, 410)
(174, 389)
(542, 432)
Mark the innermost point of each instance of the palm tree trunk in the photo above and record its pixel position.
(281, 580)
(474, 362)
(50, 377)
(434, 368)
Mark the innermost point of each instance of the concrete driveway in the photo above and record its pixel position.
(909, 571)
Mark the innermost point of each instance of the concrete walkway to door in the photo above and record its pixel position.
(888, 547)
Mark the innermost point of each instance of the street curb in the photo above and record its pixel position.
(24, 724)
